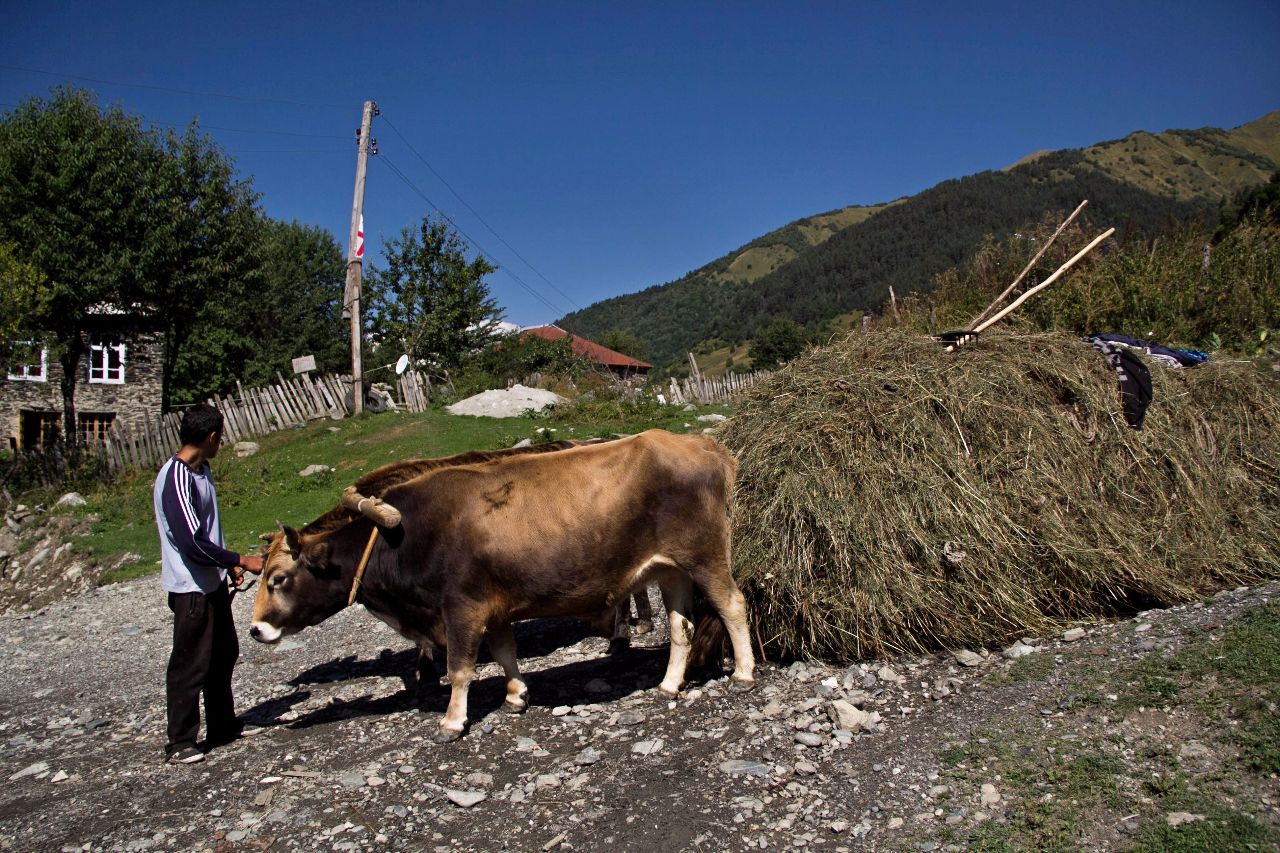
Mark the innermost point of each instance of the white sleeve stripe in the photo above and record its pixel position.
(182, 485)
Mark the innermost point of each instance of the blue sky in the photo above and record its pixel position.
(593, 149)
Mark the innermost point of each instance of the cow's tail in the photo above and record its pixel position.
(709, 636)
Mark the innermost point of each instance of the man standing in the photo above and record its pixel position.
(194, 568)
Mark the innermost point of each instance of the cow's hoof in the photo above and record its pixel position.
(446, 736)
(513, 708)
(668, 693)
(739, 686)
(643, 626)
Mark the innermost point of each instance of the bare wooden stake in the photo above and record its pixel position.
(1042, 285)
(1017, 281)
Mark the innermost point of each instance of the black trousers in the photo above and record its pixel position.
(205, 650)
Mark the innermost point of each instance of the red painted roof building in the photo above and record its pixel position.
(623, 365)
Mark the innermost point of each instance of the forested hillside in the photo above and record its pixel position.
(1141, 184)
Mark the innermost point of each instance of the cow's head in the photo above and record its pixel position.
(301, 585)
(307, 577)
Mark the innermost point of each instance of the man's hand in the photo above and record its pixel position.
(251, 563)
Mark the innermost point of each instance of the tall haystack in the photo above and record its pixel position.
(894, 498)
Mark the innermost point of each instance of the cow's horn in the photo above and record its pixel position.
(377, 510)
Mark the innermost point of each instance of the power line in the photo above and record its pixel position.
(474, 243)
(510, 248)
(173, 91)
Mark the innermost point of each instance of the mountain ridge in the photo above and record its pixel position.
(817, 268)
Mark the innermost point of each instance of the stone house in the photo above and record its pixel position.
(119, 379)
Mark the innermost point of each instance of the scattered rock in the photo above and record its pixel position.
(845, 716)
(245, 449)
(744, 767)
(1019, 650)
(631, 718)
(1180, 818)
(1194, 750)
(30, 770)
(465, 799)
(964, 657)
(312, 470)
(887, 675)
(1072, 634)
(647, 747)
(70, 500)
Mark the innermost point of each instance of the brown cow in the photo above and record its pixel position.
(376, 483)
(464, 551)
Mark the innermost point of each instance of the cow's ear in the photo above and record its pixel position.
(318, 563)
(292, 541)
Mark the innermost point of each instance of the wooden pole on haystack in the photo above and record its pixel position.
(1039, 287)
(1040, 254)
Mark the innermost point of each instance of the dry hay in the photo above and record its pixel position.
(892, 498)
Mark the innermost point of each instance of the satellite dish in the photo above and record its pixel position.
(402, 364)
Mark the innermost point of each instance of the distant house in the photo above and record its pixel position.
(119, 379)
(621, 365)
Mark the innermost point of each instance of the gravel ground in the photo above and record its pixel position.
(875, 756)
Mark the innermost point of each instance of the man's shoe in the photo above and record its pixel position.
(185, 755)
(224, 738)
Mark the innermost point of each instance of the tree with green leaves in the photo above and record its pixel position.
(21, 297)
(431, 300)
(117, 218)
(779, 341)
(78, 187)
(209, 252)
(292, 307)
(625, 343)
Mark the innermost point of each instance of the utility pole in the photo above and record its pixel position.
(355, 263)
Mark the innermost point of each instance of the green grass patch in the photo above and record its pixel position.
(256, 493)
(1235, 674)
(1033, 667)
(1223, 829)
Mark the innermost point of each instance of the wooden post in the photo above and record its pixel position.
(355, 261)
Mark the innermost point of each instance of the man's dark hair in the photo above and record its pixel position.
(198, 422)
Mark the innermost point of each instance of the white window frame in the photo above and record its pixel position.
(25, 373)
(99, 371)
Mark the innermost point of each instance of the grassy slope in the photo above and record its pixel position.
(256, 493)
(766, 254)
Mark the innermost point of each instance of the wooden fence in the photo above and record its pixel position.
(300, 399)
(252, 412)
(704, 390)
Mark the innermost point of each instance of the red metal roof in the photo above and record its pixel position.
(589, 350)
